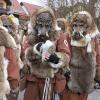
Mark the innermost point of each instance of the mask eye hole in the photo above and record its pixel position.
(5, 26)
(40, 25)
(81, 25)
(81, 21)
(74, 25)
(47, 26)
(84, 33)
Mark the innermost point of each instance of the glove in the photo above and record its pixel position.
(13, 94)
(53, 59)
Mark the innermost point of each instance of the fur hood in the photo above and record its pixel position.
(10, 20)
(53, 35)
(91, 32)
(39, 11)
(6, 39)
(66, 24)
(90, 22)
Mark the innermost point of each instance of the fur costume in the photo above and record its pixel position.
(6, 40)
(65, 26)
(11, 23)
(4, 85)
(45, 57)
(38, 68)
(83, 60)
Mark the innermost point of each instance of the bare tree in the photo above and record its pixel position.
(63, 8)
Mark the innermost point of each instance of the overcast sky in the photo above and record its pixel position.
(37, 2)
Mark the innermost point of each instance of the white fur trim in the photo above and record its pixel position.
(30, 29)
(89, 48)
(94, 34)
(59, 65)
(57, 28)
(85, 13)
(87, 39)
(4, 97)
(6, 83)
(47, 34)
(77, 43)
(4, 28)
(35, 51)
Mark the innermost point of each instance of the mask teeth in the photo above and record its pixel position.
(58, 28)
(47, 34)
(81, 33)
(73, 32)
(89, 48)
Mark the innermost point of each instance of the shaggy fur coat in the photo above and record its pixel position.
(82, 66)
(6, 40)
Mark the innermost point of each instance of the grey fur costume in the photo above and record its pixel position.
(82, 67)
(38, 68)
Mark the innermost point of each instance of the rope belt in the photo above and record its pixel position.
(47, 89)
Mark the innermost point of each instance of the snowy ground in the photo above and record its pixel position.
(95, 95)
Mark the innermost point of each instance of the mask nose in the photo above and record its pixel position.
(77, 34)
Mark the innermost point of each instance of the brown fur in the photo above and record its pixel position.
(53, 35)
(82, 64)
(6, 39)
(67, 28)
(82, 67)
(10, 38)
(6, 20)
(39, 11)
(87, 20)
(37, 66)
(4, 88)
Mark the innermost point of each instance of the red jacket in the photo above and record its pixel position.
(13, 68)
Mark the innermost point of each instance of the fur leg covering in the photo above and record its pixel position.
(82, 72)
(81, 81)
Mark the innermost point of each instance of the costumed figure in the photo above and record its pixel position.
(12, 23)
(45, 58)
(85, 56)
(9, 69)
(64, 27)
